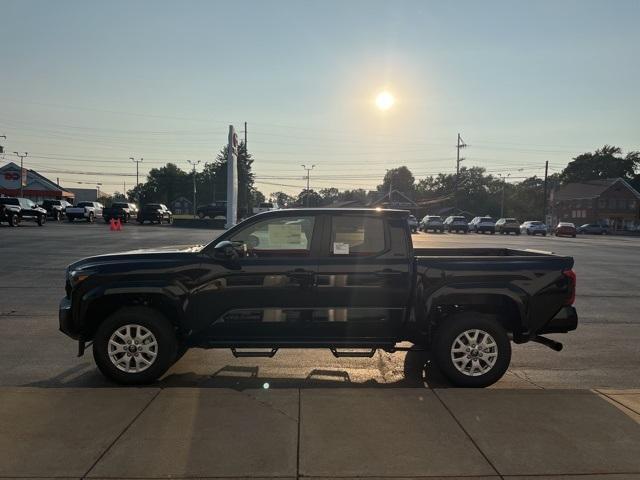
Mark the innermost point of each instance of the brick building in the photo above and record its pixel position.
(610, 201)
(34, 186)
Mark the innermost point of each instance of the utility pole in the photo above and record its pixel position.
(193, 164)
(137, 164)
(460, 145)
(245, 135)
(308, 173)
(544, 199)
(21, 170)
(1, 147)
(504, 183)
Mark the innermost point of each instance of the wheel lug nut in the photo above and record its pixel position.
(468, 349)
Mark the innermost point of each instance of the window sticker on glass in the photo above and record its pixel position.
(340, 248)
(285, 235)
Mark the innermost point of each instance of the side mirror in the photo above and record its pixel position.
(225, 250)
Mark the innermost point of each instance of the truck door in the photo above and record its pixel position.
(364, 278)
(267, 295)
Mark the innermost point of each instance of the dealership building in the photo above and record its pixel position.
(34, 186)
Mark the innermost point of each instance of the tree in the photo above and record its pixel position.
(606, 162)
(329, 195)
(308, 198)
(212, 182)
(400, 179)
(282, 199)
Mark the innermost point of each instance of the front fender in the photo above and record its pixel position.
(109, 296)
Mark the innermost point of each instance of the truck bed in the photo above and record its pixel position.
(479, 252)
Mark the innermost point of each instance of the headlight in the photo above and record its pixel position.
(75, 277)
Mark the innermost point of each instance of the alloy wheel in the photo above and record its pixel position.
(474, 352)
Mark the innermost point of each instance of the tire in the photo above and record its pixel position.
(14, 220)
(106, 220)
(201, 215)
(41, 220)
(573, 236)
(70, 219)
(485, 328)
(91, 218)
(153, 322)
(518, 233)
(127, 217)
(56, 216)
(544, 234)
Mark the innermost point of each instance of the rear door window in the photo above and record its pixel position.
(356, 235)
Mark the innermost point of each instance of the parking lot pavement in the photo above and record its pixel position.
(318, 433)
(603, 353)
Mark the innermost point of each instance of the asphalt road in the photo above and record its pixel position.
(603, 353)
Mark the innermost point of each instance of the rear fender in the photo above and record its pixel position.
(505, 301)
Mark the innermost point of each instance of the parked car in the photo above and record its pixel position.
(55, 208)
(14, 210)
(482, 225)
(265, 207)
(507, 226)
(433, 223)
(593, 228)
(155, 212)
(565, 229)
(282, 279)
(212, 210)
(534, 227)
(456, 223)
(122, 210)
(413, 223)
(88, 211)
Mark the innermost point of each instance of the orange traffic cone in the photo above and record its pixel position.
(118, 224)
(112, 225)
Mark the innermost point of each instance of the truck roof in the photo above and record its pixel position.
(333, 211)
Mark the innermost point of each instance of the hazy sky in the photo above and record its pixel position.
(84, 85)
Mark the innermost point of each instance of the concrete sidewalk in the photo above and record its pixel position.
(320, 433)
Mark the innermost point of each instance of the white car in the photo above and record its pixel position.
(482, 225)
(265, 207)
(534, 227)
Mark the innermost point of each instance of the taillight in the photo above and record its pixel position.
(571, 275)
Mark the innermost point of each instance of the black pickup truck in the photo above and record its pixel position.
(317, 278)
(122, 210)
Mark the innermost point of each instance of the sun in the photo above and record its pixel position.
(385, 100)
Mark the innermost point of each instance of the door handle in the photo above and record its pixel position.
(301, 273)
(387, 272)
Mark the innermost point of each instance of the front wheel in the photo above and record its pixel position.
(472, 349)
(91, 217)
(41, 220)
(135, 345)
(14, 220)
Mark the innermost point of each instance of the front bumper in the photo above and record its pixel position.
(564, 321)
(65, 318)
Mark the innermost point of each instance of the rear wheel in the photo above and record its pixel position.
(91, 218)
(14, 220)
(41, 220)
(201, 215)
(472, 349)
(135, 345)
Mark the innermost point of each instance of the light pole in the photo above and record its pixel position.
(1, 147)
(306, 197)
(193, 164)
(137, 163)
(504, 182)
(21, 170)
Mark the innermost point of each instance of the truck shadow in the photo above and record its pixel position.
(247, 377)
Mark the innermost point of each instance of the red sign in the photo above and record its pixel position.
(11, 176)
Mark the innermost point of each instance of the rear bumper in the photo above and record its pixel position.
(564, 321)
(65, 318)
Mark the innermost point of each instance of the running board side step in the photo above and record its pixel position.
(254, 353)
(362, 354)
